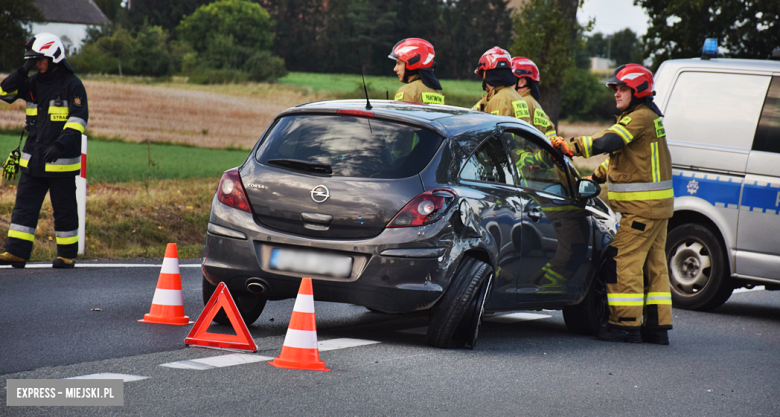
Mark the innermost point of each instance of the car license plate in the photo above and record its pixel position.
(306, 262)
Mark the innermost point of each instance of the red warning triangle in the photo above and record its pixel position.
(199, 335)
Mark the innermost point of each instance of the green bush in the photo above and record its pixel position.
(585, 97)
(92, 59)
(218, 76)
(264, 66)
(149, 55)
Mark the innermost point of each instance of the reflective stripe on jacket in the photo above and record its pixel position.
(639, 168)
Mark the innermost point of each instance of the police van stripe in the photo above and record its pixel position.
(724, 191)
(761, 197)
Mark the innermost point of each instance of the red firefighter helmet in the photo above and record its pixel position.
(416, 53)
(635, 76)
(45, 44)
(494, 58)
(525, 68)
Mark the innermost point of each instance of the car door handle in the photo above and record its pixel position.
(535, 214)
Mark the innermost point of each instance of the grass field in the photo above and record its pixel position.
(115, 162)
(347, 83)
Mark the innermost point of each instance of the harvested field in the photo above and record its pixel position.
(207, 116)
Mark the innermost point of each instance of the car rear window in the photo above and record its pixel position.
(350, 146)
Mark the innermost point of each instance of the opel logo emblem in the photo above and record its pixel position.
(320, 193)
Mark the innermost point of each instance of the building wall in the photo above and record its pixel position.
(71, 34)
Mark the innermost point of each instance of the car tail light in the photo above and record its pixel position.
(231, 191)
(423, 209)
(358, 113)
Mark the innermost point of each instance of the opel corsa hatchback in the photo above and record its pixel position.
(406, 207)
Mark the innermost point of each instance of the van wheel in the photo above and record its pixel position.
(456, 318)
(698, 271)
(592, 312)
(249, 306)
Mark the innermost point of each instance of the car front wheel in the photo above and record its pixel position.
(592, 312)
(698, 271)
(249, 306)
(456, 318)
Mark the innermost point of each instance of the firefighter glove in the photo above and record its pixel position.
(28, 64)
(11, 165)
(560, 143)
(53, 153)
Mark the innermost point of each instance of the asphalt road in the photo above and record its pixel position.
(721, 363)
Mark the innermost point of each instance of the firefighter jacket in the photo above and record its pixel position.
(539, 117)
(417, 92)
(504, 101)
(639, 168)
(57, 111)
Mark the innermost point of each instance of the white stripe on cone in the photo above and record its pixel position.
(168, 297)
(170, 266)
(302, 339)
(304, 303)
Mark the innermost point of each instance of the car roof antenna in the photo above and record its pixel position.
(365, 90)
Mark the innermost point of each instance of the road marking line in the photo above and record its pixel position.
(217, 361)
(757, 288)
(109, 375)
(244, 358)
(515, 317)
(79, 265)
(344, 343)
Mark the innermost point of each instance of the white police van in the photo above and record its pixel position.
(722, 119)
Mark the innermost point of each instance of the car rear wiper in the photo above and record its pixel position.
(302, 165)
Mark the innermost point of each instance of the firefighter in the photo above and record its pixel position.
(495, 69)
(527, 86)
(57, 114)
(414, 66)
(639, 183)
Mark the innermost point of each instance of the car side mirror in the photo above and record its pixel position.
(588, 188)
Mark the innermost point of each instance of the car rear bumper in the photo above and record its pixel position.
(400, 270)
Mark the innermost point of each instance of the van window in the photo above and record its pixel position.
(768, 132)
(715, 109)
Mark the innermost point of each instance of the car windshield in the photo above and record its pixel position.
(348, 146)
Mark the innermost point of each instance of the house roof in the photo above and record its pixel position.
(84, 12)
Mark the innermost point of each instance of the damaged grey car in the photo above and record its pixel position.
(404, 207)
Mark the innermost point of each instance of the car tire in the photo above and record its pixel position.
(698, 270)
(592, 312)
(456, 318)
(249, 306)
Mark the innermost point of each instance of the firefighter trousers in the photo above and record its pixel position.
(29, 198)
(637, 275)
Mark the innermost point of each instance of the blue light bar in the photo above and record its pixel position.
(710, 48)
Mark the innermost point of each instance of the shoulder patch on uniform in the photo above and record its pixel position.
(659, 128)
(625, 121)
(399, 96)
(540, 118)
(432, 98)
(521, 109)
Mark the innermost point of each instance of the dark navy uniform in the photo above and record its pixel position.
(57, 113)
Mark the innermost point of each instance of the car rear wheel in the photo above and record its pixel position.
(456, 318)
(698, 275)
(249, 306)
(592, 312)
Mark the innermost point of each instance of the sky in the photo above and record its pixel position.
(614, 15)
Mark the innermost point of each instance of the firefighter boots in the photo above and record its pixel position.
(13, 260)
(615, 334)
(61, 262)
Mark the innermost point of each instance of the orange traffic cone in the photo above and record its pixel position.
(300, 345)
(168, 303)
